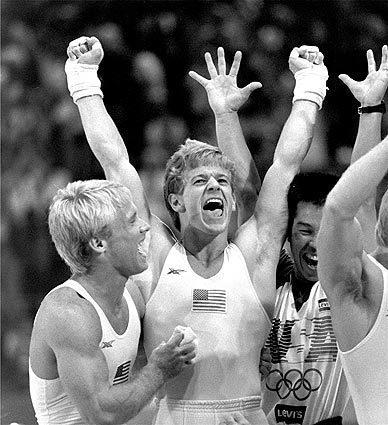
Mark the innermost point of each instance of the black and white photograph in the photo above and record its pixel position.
(194, 212)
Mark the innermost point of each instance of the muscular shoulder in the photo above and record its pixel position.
(65, 316)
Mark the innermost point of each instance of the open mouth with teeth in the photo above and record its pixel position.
(311, 260)
(214, 206)
(141, 249)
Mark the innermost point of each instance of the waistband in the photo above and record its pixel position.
(244, 403)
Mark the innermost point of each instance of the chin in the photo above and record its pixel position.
(215, 228)
(311, 277)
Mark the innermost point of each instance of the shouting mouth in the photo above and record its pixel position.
(215, 207)
(311, 260)
(141, 249)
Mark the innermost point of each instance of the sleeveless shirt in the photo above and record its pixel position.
(228, 318)
(366, 367)
(51, 403)
(306, 383)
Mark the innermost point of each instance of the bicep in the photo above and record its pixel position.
(271, 208)
(340, 250)
(270, 218)
(83, 373)
(81, 365)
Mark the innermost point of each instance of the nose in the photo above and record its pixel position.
(213, 184)
(144, 226)
(313, 242)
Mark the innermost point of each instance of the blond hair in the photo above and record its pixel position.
(81, 211)
(190, 155)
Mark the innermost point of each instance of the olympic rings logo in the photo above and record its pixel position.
(294, 382)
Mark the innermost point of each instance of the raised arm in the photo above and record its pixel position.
(271, 211)
(370, 93)
(83, 369)
(344, 269)
(225, 99)
(85, 55)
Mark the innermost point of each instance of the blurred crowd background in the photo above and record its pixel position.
(149, 48)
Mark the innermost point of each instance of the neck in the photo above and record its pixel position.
(301, 289)
(107, 290)
(205, 249)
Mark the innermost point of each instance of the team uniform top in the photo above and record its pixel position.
(51, 403)
(366, 367)
(306, 383)
(228, 318)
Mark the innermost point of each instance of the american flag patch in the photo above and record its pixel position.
(209, 301)
(122, 373)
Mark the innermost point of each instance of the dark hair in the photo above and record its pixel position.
(312, 187)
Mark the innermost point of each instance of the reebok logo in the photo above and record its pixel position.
(323, 304)
(289, 414)
(175, 271)
(107, 344)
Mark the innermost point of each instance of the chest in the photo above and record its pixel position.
(118, 319)
(205, 270)
(305, 335)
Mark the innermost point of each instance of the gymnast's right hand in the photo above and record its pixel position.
(86, 50)
(171, 358)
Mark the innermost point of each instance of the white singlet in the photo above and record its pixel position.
(306, 383)
(231, 325)
(51, 403)
(366, 367)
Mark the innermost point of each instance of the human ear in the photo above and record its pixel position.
(176, 203)
(97, 244)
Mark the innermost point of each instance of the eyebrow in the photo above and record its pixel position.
(205, 175)
(302, 223)
(132, 216)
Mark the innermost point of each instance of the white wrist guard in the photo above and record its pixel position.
(82, 80)
(310, 84)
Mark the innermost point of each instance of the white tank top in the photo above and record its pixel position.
(51, 403)
(228, 318)
(366, 367)
(306, 383)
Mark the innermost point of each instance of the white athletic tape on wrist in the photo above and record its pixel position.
(82, 80)
(310, 84)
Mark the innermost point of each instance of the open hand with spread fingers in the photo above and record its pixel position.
(370, 91)
(223, 94)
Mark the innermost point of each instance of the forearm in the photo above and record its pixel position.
(368, 134)
(123, 402)
(362, 177)
(101, 132)
(296, 136)
(232, 142)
